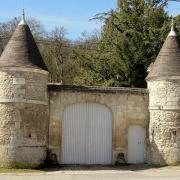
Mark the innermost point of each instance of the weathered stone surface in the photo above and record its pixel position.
(164, 127)
(23, 118)
(128, 107)
(164, 94)
(22, 86)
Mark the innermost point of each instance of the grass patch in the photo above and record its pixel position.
(13, 170)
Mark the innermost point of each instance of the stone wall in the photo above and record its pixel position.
(23, 86)
(164, 128)
(23, 117)
(128, 106)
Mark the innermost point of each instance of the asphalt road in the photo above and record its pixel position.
(100, 173)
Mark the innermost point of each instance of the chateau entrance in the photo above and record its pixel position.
(87, 134)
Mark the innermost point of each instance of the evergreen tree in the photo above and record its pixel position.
(135, 32)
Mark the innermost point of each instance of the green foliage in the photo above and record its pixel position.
(135, 34)
(177, 25)
(130, 41)
(119, 55)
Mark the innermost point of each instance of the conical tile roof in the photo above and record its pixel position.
(21, 50)
(168, 61)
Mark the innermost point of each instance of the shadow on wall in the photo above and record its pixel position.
(154, 156)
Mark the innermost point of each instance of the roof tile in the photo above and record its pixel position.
(22, 51)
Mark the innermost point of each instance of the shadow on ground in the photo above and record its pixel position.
(101, 167)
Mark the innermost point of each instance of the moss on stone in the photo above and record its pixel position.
(18, 170)
(18, 165)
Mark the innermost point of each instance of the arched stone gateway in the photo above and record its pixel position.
(87, 134)
(87, 125)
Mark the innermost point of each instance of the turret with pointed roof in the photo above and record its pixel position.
(164, 104)
(21, 50)
(23, 101)
(168, 60)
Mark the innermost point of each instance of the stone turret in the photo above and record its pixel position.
(23, 101)
(164, 104)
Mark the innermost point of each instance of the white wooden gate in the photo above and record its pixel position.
(136, 148)
(87, 134)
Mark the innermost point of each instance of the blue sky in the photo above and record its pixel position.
(74, 15)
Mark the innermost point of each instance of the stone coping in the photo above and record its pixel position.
(22, 69)
(165, 108)
(164, 78)
(23, 101)
(55, 87)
